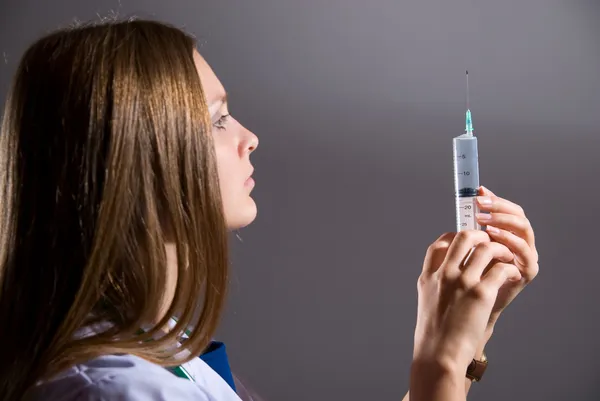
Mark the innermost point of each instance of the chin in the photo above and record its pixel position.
(242, 216)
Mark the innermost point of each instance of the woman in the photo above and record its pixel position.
(122, 172)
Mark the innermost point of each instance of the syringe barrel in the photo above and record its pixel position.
(466, 181)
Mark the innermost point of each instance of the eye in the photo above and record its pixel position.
(220, 123)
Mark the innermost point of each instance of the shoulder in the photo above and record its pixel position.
(123, 377)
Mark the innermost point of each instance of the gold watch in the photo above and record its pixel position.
(476, 368)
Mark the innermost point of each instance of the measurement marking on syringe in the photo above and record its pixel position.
(466, 176)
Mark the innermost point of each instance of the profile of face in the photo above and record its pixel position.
(128, 163)
(233, 145)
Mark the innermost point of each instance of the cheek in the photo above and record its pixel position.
(226, 165)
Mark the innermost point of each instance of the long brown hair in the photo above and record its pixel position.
(105, 155)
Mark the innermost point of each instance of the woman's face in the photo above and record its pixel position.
(233, 145)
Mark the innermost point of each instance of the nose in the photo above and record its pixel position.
(251, 141)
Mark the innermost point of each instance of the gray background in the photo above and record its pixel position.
(356, 103)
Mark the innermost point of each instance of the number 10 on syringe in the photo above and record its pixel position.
(466, 175)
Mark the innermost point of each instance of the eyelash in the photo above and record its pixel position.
(220, 123)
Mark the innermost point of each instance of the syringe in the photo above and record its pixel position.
(466, 175)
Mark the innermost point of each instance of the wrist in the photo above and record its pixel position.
(436, 379)
(489, 331)
(481, 348)
(479, 351)
(437, 368)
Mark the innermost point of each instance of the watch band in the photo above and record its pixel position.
(476, 368)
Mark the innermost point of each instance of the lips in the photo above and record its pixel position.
(249, 181)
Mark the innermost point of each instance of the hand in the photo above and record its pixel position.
(506, 224)
(456, 295)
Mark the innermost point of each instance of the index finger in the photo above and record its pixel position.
(489, 202)
(503, 206)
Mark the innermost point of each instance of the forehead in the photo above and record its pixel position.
(213, 88)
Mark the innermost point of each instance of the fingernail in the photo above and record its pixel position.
(484, 200)
(492, 229)
(483, 216)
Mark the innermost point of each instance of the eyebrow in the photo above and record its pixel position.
(220, 100)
